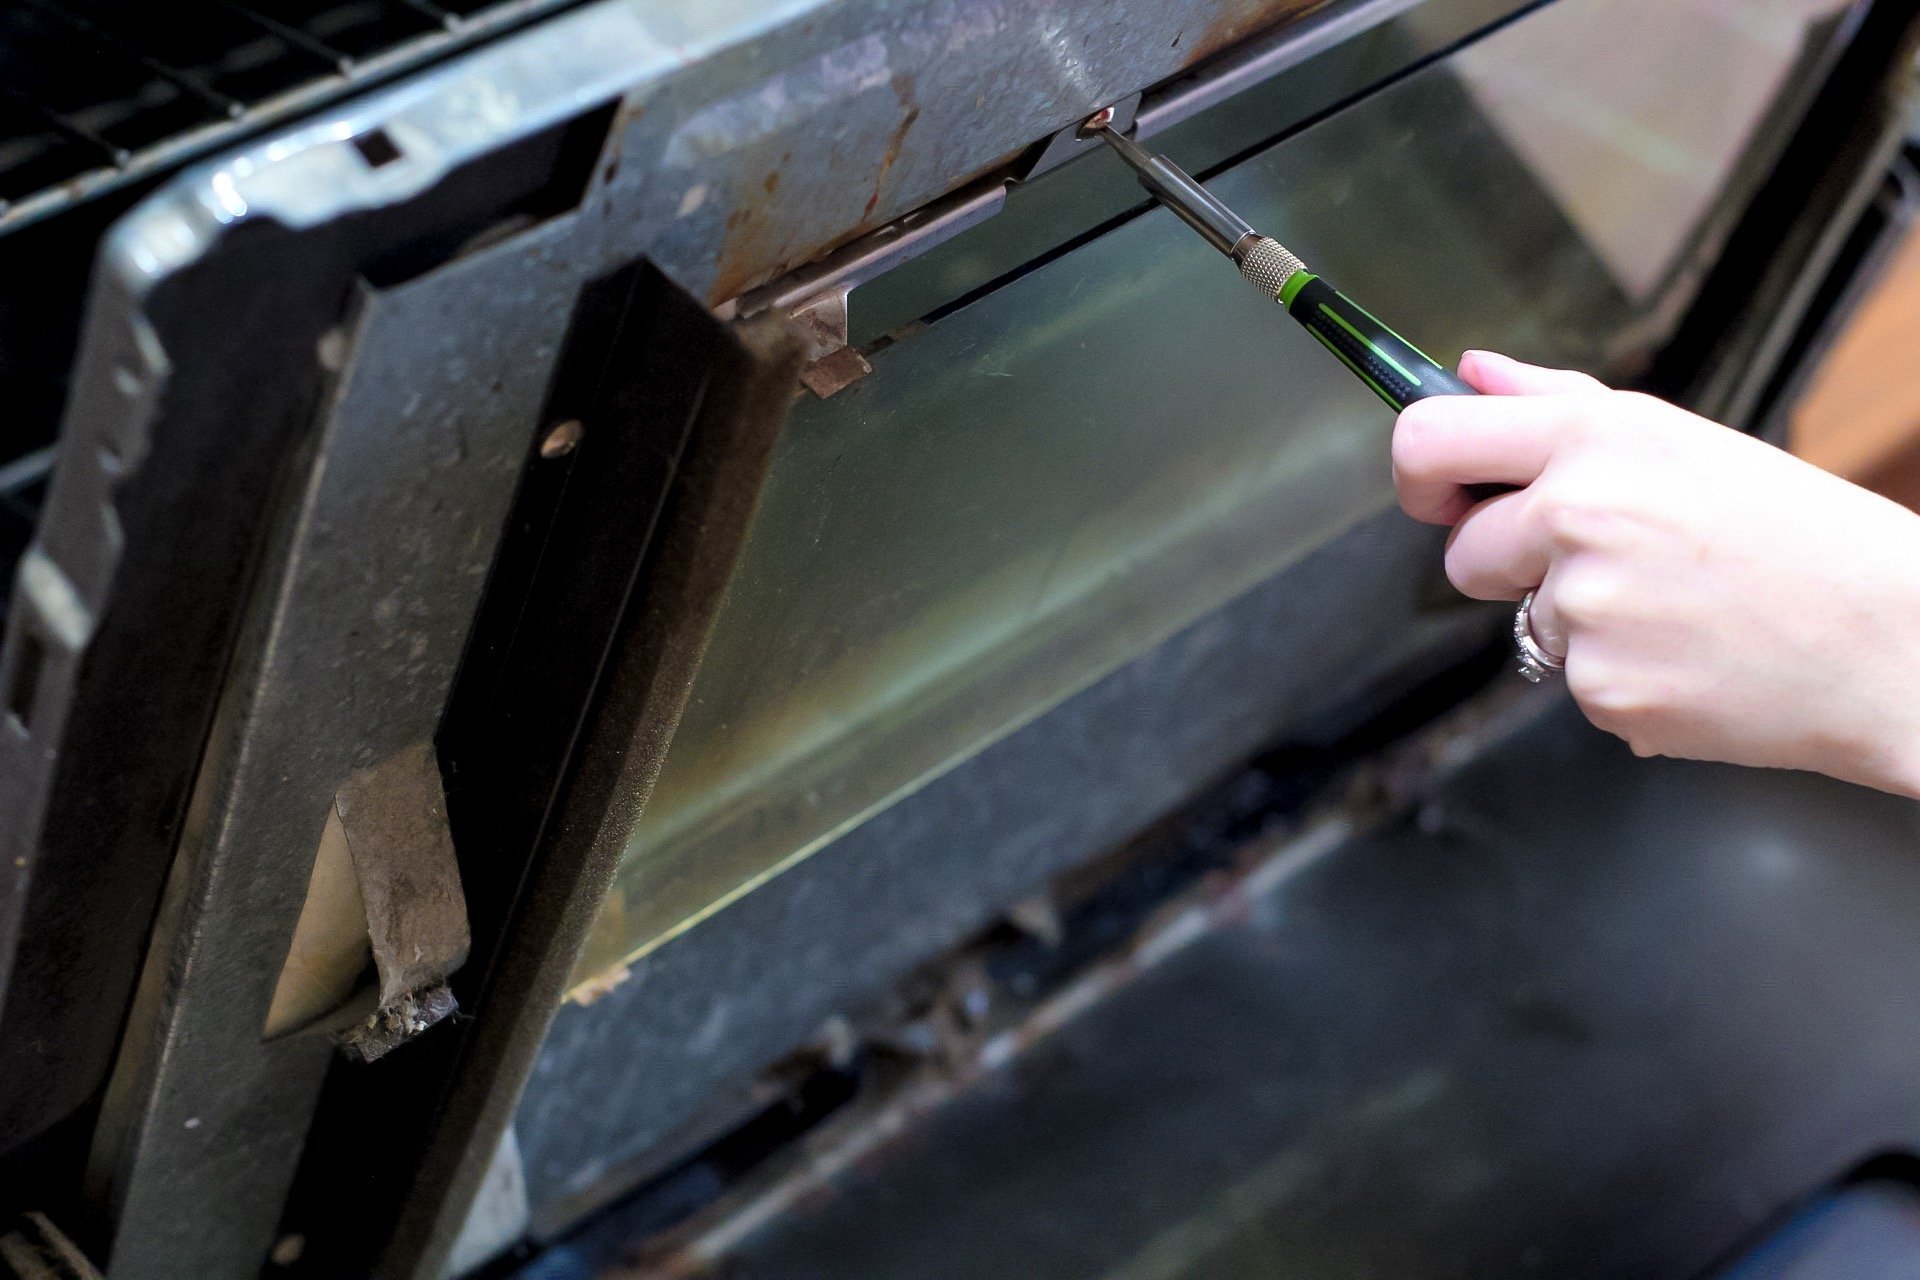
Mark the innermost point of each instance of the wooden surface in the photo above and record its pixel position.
(1861, 417)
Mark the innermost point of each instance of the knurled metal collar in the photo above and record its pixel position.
(1268, 265)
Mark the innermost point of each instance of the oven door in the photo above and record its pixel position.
(811, 511)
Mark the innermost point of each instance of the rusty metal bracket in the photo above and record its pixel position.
(816, 297)
(831, 363)
(395, 817)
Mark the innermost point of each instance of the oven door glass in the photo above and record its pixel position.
(1050, 476)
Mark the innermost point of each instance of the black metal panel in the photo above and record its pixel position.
(100, 99)
(1584, 1016)
(173, 473)
(594, 620)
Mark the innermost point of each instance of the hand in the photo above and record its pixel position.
(1714, 597)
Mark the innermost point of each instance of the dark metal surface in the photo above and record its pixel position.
(593, 626)
(172, 474)
(621, 1084)
(745, 142)
(23, 484)
(350, 648)
(1583, 1015)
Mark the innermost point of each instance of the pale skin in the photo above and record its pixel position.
(1714, 597)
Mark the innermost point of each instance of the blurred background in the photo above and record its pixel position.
(1861, 415)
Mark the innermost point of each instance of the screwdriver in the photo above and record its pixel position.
(1398, 371)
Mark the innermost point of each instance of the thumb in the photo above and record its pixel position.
(1497, 375)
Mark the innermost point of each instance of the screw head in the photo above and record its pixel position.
(1101, 119)
(562, 439)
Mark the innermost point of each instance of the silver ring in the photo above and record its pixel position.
(1536, 664)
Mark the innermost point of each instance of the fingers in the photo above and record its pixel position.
(1498, 552)
(1443, 443)
(1492, 374)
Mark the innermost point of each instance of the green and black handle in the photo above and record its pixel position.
(1397, 371)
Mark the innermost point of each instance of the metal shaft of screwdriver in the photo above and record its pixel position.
(1265, 263)
(1222, 228)
(1393, 368)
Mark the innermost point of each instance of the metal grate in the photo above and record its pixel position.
(94, 93)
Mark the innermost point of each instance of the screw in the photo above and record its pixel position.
(563, 439)
(1101, 119)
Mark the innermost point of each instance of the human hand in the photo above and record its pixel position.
(1714, 597)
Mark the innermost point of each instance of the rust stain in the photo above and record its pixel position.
(903, 87)
(1235, 21)
(746, 256)
(754, 248)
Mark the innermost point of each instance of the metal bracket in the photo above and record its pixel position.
(395, 817)
(831, 363)
(1070, 143)
(816, 297)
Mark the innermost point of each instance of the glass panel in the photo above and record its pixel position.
(1049, 480)
(1636, 144)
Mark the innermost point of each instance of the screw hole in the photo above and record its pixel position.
(376, 148)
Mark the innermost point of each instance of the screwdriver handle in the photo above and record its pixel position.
(1398, 371)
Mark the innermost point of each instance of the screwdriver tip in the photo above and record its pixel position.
(1099, 120)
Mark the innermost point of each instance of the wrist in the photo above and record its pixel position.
(1899, 760)
(1892, 684)
(1885, 664)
